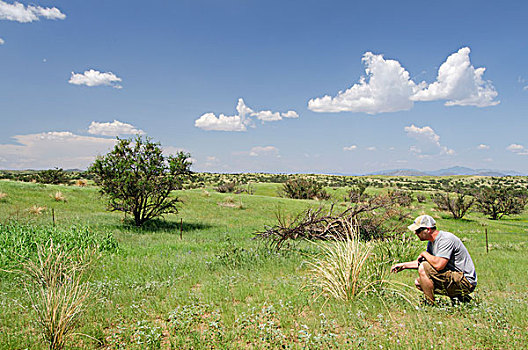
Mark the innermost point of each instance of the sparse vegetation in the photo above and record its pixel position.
(198, 279)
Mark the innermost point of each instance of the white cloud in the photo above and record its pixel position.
(428, 141)
(114, 128)
(387, 87)
(517, 149)
(425, 133)
(483, 146)
(349, 148)
(371, 148)
(2, 42)
(264, 151)
(20, 13)
(53, 149)
(459, 83)
(95, 78)
(239, 122)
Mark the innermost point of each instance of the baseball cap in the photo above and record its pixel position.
(422, 221)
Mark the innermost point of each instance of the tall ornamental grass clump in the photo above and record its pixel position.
(54, 285)
(340, 269)
(19, 242)
(350, 268)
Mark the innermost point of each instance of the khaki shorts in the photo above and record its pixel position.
(446, 282)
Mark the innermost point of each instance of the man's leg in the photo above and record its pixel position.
(426, 284)
(417, 284)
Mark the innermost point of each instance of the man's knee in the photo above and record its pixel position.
(417, 284)
(425, 269)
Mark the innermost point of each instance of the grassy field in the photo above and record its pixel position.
(209, 284)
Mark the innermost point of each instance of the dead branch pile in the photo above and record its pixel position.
(377, 218)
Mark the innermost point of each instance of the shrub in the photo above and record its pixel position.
(52, 176)
(420, 198)
(228, 187)
(498, 200)
(457, 204)
(302, 188)
(357, 192)
(137, 179)
(401, 197)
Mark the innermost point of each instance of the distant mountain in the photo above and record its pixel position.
(456, 170)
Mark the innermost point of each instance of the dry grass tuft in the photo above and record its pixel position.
(81, 183)
(37, 210)
(3, 196)
(57, 295)
(230, 202)
(206, 193)
(58, 197)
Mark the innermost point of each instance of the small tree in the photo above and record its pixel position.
(457, 204)
(497, 200)
(138, 179)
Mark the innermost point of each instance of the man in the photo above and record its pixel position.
(445, 268)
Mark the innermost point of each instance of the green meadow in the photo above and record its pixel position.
(199, 279)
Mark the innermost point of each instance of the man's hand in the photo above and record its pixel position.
(397, 267)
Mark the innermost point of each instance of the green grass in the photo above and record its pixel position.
(217, 285)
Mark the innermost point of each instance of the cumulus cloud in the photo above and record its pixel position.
(53, 149)
(459, 83)
(115, 128)
(483, 146)
(95, 78)
(371, 148)
(264, 151)
(241, 121)
(2, 42)
(428, 141)
(349, 148)
(517, 149)
(386, 87)
(20, 13)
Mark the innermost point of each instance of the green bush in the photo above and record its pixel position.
(301, 188)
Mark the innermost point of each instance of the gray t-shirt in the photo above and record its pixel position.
(447, 245)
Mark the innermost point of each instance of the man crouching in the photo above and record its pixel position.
(445, 268)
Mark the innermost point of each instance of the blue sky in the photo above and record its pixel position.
(273, 86)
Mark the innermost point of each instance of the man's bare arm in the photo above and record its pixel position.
(437, 262)
(404, 266)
